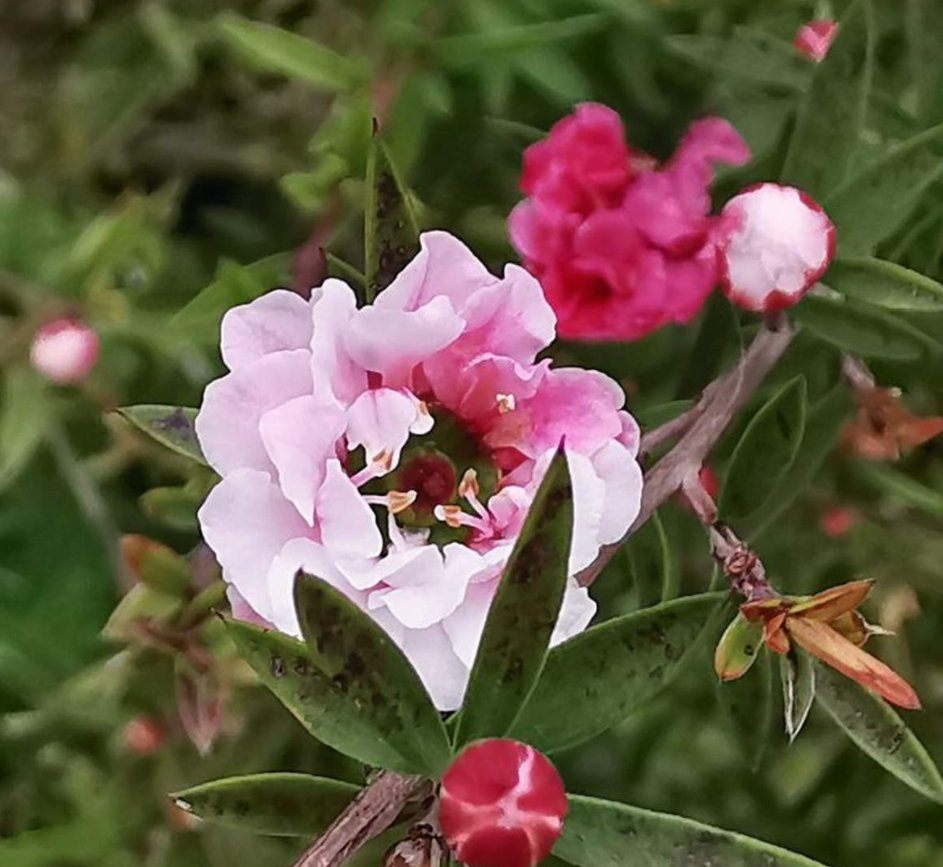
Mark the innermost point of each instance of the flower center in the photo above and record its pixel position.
(432, 476)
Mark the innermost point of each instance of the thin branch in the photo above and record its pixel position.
(719, 403)
(857, 373)
(369, 814)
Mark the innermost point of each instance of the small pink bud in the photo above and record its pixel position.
(64, 350)
(709, 481)
(502, 805)
(836, 521)
(774, 244)
(815, 38)
(144, 735)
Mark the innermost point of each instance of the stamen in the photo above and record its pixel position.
(379, 464)
(506, 402)
(468, 489)
(395, 501)
(455, 518)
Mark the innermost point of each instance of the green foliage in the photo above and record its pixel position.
(748, 705)
(171, 426)
(797, 675)
(886, 285)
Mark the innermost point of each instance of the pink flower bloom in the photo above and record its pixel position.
(502, 805)
(815, 38)
(64, 351)
(620, 245)
(393, 451)
(775, 242)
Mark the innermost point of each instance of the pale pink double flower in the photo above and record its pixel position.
(393, 450)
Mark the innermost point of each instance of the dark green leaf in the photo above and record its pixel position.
(598, 678)
(863, 330)
(823, 425)
(524, 612)
(874, 202)
(25, 413)
(271, 49)
(175, 507)
(371, 676)
(886, 284)
(765, 451)
(320, 705)
(797, 674)
(902, 488)
(391, 230)
(878, 731)
(653, 416)
(234, 284)
(650, 563)
(171, 426)
(283, 805)
(747, 704)
(606, 834)
(831, 116)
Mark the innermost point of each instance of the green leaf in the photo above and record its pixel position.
(319, 703)
(140, 603)
(171, 426)
(600, 833)
(901, 487)
(797, 674)
(391, 230)
(474, 49)
(599, 677)
(823, 425)
(174, 506)
(855, 327)
(650, 563)
(281, 804)
(271, 49)
(371, 676)
(25, 413)
(886, 285)
(738, 648)
(765, 451)
(831, 115)
(878, 731)
(653, 416)
(747, 704)
(874, 202)
(234, 284)
(524, 612)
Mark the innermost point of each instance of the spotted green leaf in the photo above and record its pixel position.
(524, 612)
(280, 804)
(370, 677)
(747, 706)
(171, 426)
(600, 833)
(599, 677)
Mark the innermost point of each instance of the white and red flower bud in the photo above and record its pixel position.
(502, 805)
(774, 244)
(814, 39)
(64, 350)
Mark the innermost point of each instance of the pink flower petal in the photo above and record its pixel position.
(775, 243)
(228, 422)
(273, 322)
(814, 39)
(442, 672)
(621, 476)
(332, 307)
(577, 610)
(348, 526)
(382, 419)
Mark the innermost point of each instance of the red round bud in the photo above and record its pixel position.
(144, 735)
(502, 805)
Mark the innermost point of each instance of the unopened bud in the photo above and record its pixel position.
(502, 805)
(144, 735)
(64, 351)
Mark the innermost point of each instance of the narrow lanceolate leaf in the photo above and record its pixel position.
(391, 230)
(282, 805)
(831, 115)
(878, 731)
(871, 204)
(864, 330)
(765, 451)
(271, 49)
(25, 414)
(600, 833)
(171, 426)
(747, 705)
(371, 676)
(598, 678)
(524, 612)
(886, 284)
(738, 648)
(650, 563)
(797, 674)
(319, 702)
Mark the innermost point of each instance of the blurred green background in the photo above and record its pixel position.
(161, 161)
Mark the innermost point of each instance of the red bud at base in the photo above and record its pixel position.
(502, 805)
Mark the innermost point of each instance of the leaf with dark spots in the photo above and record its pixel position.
(747, 705)
(285, 666)
(598, 678)
(370, 679)
(391, 231)
(524, 612)
(878, 731)
(171, 426)
(282, 805)
(600, 833)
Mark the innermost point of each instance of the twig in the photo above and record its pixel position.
(857, 373)
(718, 405)
(369, 814)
